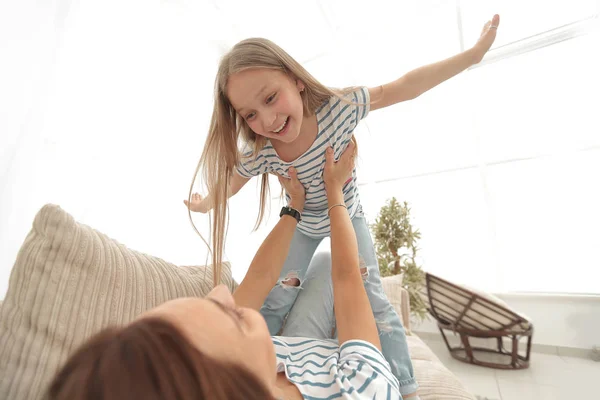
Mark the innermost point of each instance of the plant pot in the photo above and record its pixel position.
(400, 275)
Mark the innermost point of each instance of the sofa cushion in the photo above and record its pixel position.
(436, 382)
(70, 281)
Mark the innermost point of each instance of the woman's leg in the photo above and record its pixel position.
(391, 332)
(312, 315)
(284, 293)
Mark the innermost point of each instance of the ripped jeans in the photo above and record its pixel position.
(306, 285)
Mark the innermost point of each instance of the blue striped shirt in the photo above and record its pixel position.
(322, 370)
(336, 121)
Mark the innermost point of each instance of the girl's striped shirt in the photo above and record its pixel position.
(336, 121)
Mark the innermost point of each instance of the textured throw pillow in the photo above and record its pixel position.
(70, 281)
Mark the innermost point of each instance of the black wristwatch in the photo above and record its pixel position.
(290, 211)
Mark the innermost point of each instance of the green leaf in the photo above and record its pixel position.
(393, 231)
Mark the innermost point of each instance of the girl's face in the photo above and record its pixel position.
(269, 101)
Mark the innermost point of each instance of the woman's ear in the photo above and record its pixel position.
(300, 85)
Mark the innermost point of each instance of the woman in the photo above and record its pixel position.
(219, 347)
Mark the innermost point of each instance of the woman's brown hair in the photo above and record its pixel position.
(150, 359)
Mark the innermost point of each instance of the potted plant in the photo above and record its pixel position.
(396, 247)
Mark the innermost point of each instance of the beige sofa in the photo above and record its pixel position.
(70, 281)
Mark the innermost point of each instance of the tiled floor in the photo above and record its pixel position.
(549, 377)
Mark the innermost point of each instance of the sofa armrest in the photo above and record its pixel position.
(398, 297)
(405, 309)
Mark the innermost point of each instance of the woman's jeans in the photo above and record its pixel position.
(306, 285)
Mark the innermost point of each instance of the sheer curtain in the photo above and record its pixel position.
(105, 105)
(112, 120)
(501, 164)
(30, 33)
(105, 108)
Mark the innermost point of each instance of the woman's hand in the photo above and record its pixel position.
(338, 172)
(294, 188)
(198, 204)
(486, 40)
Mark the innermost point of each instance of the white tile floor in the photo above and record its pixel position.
(549, 377)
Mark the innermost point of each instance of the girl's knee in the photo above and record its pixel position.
(292, 279)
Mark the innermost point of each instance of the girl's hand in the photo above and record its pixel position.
(486, 40)
(337, 173)
(294, 188)
(198, 204)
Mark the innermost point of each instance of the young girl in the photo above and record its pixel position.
(287, 120)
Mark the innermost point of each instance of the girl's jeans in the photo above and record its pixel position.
(306, 285)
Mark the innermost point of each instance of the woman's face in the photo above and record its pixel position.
(220, 329)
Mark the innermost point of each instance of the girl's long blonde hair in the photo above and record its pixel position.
(221, 153)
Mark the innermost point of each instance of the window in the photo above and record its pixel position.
(501, 163)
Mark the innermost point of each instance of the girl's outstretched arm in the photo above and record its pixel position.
(420, 80)
(204, 204)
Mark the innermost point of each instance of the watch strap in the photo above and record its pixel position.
(287, 210)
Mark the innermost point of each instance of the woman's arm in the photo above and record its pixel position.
(270, 257)
(353, 314)
(420, 80)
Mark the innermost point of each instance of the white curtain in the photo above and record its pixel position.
(104, 108)
(502, 164)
